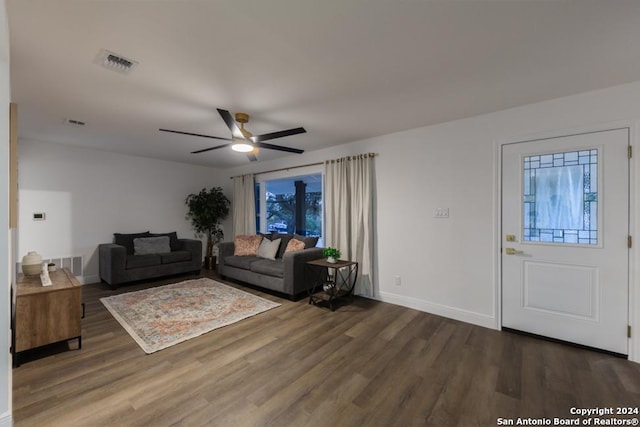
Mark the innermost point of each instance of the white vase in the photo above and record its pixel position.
(331, 259)
(31, 264)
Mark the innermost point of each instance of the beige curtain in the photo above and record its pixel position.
(349, 202)
(244, 205)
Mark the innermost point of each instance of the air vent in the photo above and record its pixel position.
(115, 62)
(73, 122)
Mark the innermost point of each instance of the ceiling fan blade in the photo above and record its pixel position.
(278, 147)
(279, 134)
(231, 124)
(194, 134)
(209, 149)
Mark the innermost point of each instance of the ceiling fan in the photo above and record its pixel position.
(242, 140)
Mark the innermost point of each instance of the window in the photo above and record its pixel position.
(290, 204)
(561, 197)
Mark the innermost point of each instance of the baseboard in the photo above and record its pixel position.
(88, 279)
(6, 420)
(440, 310)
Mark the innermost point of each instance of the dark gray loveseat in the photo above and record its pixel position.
(285, 274)
(120, 264)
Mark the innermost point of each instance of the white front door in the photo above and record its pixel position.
(565, 228)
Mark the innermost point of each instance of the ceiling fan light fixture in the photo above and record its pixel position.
(241, 147)
(242, 140)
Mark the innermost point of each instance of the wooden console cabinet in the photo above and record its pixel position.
(47, 314)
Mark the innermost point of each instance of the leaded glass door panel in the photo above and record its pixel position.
(565, 216)
(560, 197)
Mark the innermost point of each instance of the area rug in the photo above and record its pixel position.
(160, 317)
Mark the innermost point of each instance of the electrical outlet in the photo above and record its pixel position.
(398, 281)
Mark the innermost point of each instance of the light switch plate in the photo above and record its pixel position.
(441, 213)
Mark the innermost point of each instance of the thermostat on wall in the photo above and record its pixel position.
(39, 216)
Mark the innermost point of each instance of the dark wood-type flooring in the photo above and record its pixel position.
(366, 364)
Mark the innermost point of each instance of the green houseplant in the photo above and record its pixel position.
(332, 254)
(206, 210)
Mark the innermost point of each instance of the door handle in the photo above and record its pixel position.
(512, 251)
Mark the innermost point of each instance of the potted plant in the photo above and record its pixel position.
(206, 210)
(332, 254)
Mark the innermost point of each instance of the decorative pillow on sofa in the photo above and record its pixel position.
(268, 248)
(173, 239)
(246, 245)
(126, 240)
(151, 245)
(294, 245)
(309, 242)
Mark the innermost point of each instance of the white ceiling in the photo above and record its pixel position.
(343, 69)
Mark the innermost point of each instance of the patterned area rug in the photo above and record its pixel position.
(160, 317)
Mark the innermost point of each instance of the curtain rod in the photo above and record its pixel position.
(299, 166)
(283, 169)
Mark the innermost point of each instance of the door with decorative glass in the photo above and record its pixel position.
(565, 230)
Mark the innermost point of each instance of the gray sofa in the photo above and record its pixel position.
(284, 274)
(120, 263)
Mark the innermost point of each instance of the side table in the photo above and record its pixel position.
(331, 281)
(47, 314)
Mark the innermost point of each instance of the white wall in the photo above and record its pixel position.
(449, 266)
(87, 195)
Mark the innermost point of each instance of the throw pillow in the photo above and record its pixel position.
(173, 239)
(246, 245)
(126, 240)
(309, 242)
(151, 245)
(268, 249)
(294, 245)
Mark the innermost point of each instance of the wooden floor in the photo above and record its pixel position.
(366, 364)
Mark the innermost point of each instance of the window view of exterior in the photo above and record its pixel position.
(290, 205)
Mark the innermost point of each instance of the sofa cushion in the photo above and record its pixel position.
(268, 248)
(173, 239)
(294, 245)
(309, 242)
(269, 267)
(151, 245)
(246, 245)
(175, 256)
(139, 261)
(243, 262)
(126, 240)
